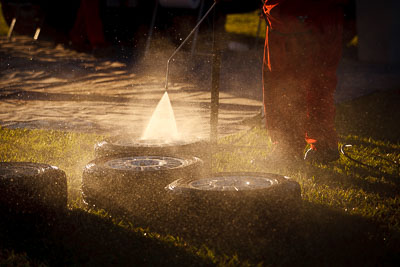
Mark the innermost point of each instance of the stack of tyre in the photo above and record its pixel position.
(170, 188)
(129, 176)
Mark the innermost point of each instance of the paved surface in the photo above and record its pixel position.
(48, 86)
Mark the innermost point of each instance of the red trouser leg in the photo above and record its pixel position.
(94, 26)
(320, 127)
(286, 82)
(320, 95)
(88, 24)
(77, 33)
(285, 110)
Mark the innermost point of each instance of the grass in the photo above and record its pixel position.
(245, 24)
(67, 150)
(350, 212)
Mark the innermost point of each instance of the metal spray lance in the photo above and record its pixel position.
(184, 41)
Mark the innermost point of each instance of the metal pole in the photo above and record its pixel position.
(14, 20)
(150, 33)
(215, 78)
(184, 41)
(216, 68)
(38, 29)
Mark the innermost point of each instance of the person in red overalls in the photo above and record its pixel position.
(303, 47)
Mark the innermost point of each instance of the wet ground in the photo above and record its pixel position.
(45, 85)
(48, 85)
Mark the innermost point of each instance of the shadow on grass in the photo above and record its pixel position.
(289, 234)
(356, 177)
(316, 235)
(305, 234)
(320, 236)
(81, 238)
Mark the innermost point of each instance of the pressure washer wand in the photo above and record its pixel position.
(184, 41)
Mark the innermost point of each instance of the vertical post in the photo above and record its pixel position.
(150, 33)
(215, 77)
(14, 20)
(37, 32)
(216, 67)
(38, 28)
(10, 30)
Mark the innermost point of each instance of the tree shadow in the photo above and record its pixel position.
(288, 233)
(81, 238)
(318, 235)
(292, 233)
(368, 165)
(367, 179)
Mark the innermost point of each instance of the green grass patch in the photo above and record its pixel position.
(70, 151)
(245, 24)
(349, 215)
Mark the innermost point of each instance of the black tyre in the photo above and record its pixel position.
(230, 207)
(228, 186)
(134, 184)
(32, 188)
(135, 147)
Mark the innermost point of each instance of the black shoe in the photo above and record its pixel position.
(321, 155)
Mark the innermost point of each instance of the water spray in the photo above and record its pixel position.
(184, 41)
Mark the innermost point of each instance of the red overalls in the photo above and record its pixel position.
(303, 47)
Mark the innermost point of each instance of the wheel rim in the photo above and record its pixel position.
(145, 163)
(232, 183)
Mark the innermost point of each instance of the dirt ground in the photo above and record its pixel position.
(44, 85)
